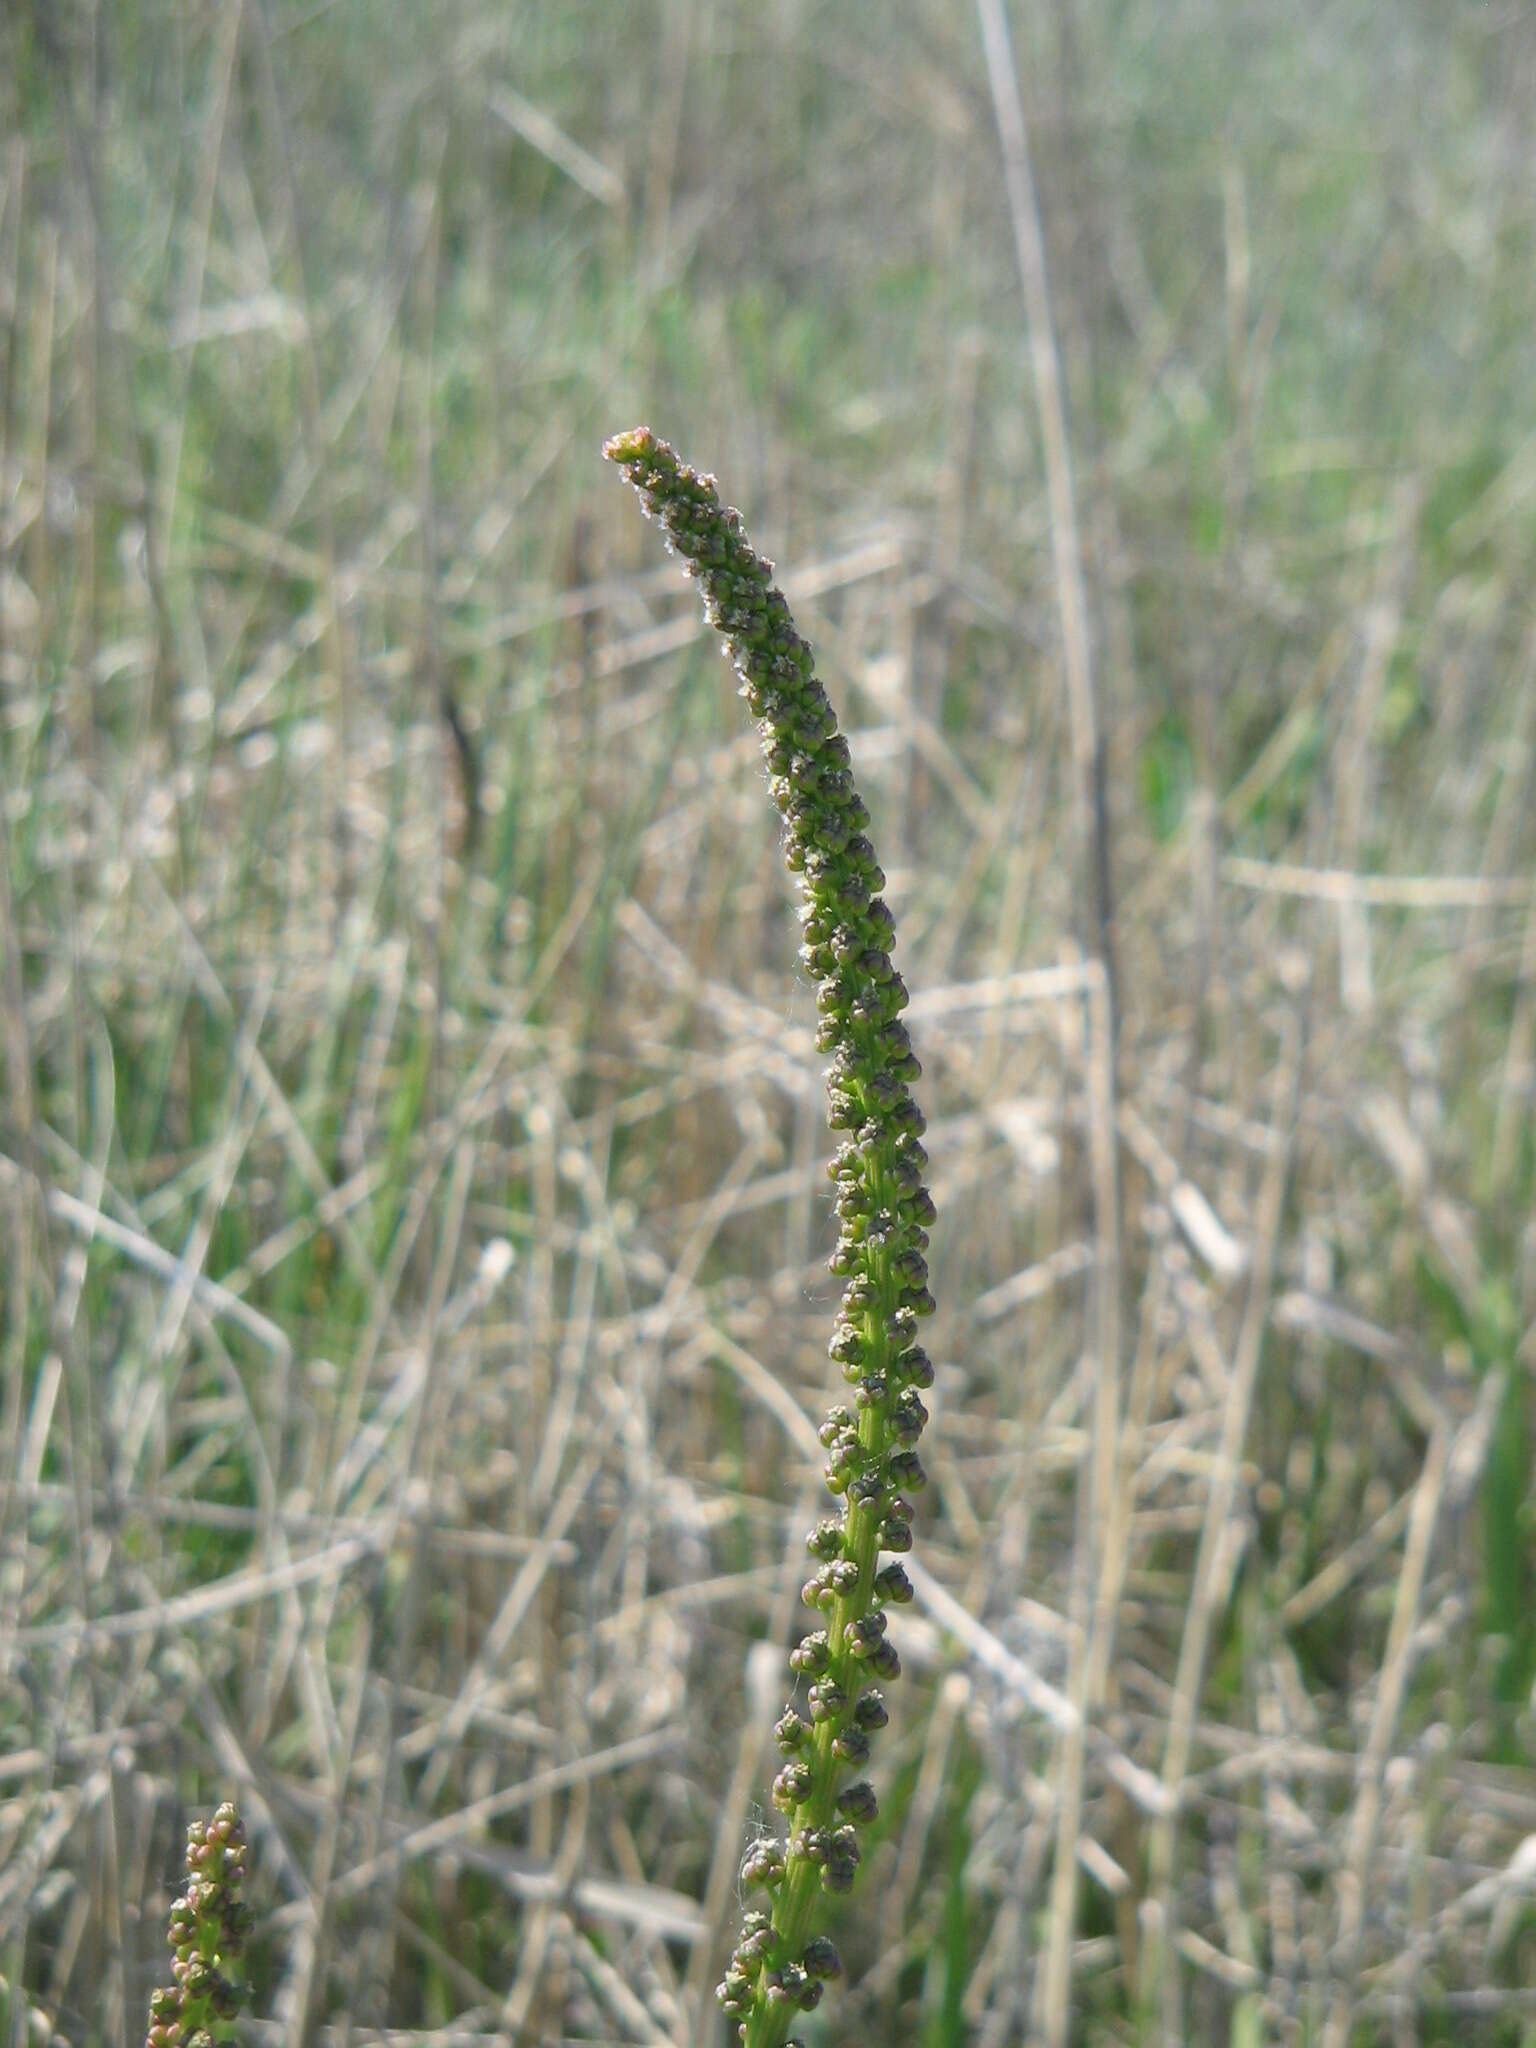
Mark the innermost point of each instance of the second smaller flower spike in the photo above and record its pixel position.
(208, 1928)
(884, 1210)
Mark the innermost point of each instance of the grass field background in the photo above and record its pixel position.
(411, 1143)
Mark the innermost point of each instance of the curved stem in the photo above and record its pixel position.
(781, 1962)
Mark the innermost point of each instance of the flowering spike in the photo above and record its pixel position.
(883, 1212)
(208, 1926)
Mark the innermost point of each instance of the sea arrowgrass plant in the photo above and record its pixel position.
(207, 1932)
(783, 1958)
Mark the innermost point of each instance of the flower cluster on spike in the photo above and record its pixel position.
(208, 1927)
(781, 1963)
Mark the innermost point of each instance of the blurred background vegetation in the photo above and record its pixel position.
(410, 1139)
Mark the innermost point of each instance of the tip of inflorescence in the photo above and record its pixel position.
(631, 446)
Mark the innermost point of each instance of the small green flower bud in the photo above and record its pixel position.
(832, 998)
(792, 1787)
(906, 1115)
(763, 1866)
(864, 1634)
(916, 1368)
(790, 1732)
(821, 1959)
(754, 1949)
(810, 1656)
(907, 1170)
(827, 1700)
(860, 1295)
(826, 1539)
(884, 1662)
(858, 1801)
(837, 1421)
(894, 1038)
(868, 1490)
(848, 1456)
(892, 1584)
(844, 1109)
(831, 1583)
(851, 1746)
(909, 1418)
(906, 1469)
(870, 1711)
(911, 1269)
(848, 1346)
(882, 1090)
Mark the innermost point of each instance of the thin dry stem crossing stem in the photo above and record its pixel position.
(1159, 1983)
(1092, 831)
(1066, 540)
(1383, 624)
(1391, 1683)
